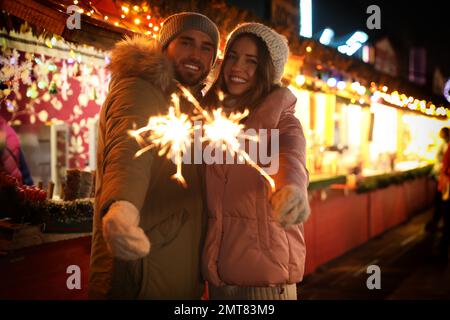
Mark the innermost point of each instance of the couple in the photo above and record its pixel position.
(154, 239)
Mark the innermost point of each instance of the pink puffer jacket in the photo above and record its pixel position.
(244, 245)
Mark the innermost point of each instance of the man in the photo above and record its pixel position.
(148, 230)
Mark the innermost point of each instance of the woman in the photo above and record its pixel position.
(254, 246)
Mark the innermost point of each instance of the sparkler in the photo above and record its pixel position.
(172, 134)
(226, 131)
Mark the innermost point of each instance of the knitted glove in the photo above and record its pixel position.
(290, 206)
(123, 236)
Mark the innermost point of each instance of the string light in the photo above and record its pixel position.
(361, 90)
(394, 98)
(131, 17)
(341, 85)
(375, 92)
(331, 82)
(355, 86)
(300, 79)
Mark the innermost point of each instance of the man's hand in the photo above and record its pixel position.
(123, 236)
(290, 206)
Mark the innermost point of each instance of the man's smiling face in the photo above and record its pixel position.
(192, 53)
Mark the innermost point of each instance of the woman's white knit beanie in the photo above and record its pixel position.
(275, 42)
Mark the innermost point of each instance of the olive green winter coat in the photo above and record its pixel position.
(172, 217)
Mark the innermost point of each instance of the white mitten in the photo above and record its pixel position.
(123, 236)
(290, 206)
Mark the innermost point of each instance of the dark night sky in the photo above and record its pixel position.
(408, 23)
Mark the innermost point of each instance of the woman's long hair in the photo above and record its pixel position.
(263, 85)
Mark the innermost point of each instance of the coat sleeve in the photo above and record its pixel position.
(124, 177)
(292, 154)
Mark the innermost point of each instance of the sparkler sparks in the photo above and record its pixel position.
(225, 132)
(172, 134)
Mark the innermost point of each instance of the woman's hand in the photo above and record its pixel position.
(290, 206)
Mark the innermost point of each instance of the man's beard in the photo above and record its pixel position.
(188, 80)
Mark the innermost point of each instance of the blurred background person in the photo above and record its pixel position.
(444, 191)
(434, 222)
(12, 159)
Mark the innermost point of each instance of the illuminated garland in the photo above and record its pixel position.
(137, 18)
(358, 93)
(146, 19)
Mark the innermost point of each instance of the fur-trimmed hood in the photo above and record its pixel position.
(141, 57)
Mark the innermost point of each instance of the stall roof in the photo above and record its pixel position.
(49, 18)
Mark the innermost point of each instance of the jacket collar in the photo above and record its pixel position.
(141, 57)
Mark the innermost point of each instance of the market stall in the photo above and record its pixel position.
(344, 217)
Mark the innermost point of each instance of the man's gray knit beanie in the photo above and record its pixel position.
(180, 22)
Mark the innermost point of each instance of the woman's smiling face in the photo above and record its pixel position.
(240, 66)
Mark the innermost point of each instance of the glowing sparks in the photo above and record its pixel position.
(225, 133)
(188, 95)
(172, 134)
